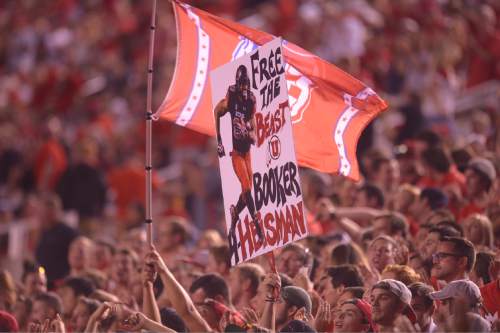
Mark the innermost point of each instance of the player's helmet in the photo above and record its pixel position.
(242, 77)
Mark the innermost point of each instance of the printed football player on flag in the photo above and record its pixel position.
(240, 103)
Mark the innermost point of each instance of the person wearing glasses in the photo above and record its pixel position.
(453, 260)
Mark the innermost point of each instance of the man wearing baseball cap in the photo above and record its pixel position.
(292, 300)
(467, 293)
(479, 176)
(355, 315)
(389, 299)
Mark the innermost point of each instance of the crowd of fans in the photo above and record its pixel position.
(413, 247)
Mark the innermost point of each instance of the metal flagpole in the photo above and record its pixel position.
(149, 118)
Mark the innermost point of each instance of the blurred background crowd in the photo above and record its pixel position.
(72, 136)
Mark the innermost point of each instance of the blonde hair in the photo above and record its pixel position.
(487, 239)
(8, 290)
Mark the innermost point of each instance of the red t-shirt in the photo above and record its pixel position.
(469, 209)
(491, 297)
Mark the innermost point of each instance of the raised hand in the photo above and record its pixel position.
(272, 281)
(155, 259)
(324, 317)
(134, 322)
(148, 273)
(250, 315)
(57, 325)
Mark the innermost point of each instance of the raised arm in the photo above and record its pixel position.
(181, 301)
(272, 281)
(149, 305)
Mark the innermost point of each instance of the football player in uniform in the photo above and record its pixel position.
(240, 103)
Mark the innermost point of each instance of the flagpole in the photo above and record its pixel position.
(149, 118)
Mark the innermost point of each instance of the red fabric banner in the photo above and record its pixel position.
(329, 107)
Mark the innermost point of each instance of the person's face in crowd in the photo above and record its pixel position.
(416, 262)
(422, 311)
(473, 231)
(257, 302)
(215, 267)
(51, 212)
(350, 319)
(103, 257)
(418, 207)
(430, 245)
(445, 309)
(388, 174)
(381, 253)
(166, 238)
(22, 313)
(137, 240)
(344, 296)
(284, 313)
(78, 254)
(403, 201)
(208, 313)
(385, 306)
(80, 317)
(40, 311)
(123, 269)
(328, 292)
(290, 262)
(381, 226)
(235, 284)
(35, 283)
(68, 299)
(473, 182)
(446, 263)
(198, 296)
(361, 199)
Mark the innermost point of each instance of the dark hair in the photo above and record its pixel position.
(90, 304)
(346, 253)
(373, 192)
(357, 292)
(298, 249)
(378, 161)
(437, 159)
(482, 265)
(253, 273)
(29, 267)
(51, 300)
(454, 229)
(107, 245)
(213, 285)
(81, 286)
(129, 252)
(464, 248)
(397, 223)
(430, 137)
(221, 254)
(444, 215)
(347, 275)
(179, 228)
(445, 231)
(285, 280)
(436, 198)
(461, 158)
(171, 319)
(419, 289)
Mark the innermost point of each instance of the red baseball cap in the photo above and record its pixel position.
(8, 322)
(366, 310)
